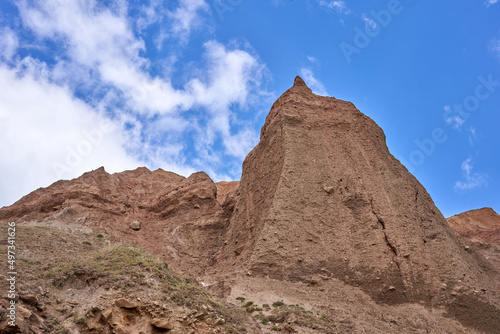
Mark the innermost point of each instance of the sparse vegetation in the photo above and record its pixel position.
(100, 236)
(88, 258)
(278, 304)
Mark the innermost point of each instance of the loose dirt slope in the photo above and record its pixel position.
(73, 282)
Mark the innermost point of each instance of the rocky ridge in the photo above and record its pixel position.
(482, 225)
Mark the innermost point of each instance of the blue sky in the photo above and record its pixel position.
(186, 85)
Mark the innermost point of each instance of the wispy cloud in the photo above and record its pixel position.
(316, 86)
(339, 6)
(454, 120)
(369, 22)
(8, 44)
(312, 59)
(471, 179)
(186, 16)
(490, 2)
(472, 136)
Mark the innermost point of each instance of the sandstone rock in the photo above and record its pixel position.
(162, 324)
(481, 225)
(135, 225)
(106, 315)
(125, 303)
(182, 236)
(481, 230)
(6, 328)
(29, 298)
(24, 312)
(376, 213)
(227, 194)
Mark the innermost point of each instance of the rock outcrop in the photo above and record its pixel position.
(480, 229)
(482, 225)
(322, 193)
(176, 218)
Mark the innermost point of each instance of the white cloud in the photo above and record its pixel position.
(316, 86)
(454, 120)
(471, 179)
(99, 53)
(186, 16)
(46, 134)
(490, 2)
(473, 136)
(8, 43)
(338, 5)
(177, 23)
(369, 22)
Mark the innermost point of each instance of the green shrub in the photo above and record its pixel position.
(278, 304)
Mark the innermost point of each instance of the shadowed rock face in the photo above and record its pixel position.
(320, 196)
(322, 192)
(481, 225)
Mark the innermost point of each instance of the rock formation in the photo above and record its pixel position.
(481, 225)
(480, 229)
(180, 218)
(322, 193)
(323, 216)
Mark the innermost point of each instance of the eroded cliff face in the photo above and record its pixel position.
(323, 216)
(322, 193)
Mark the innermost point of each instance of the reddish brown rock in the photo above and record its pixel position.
(125, 303)
(481, 225)
(180, 218)
(481, 229)
(324, 217)
(227, 194)
(321, 192)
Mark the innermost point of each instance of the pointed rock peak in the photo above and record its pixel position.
(300, 84)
